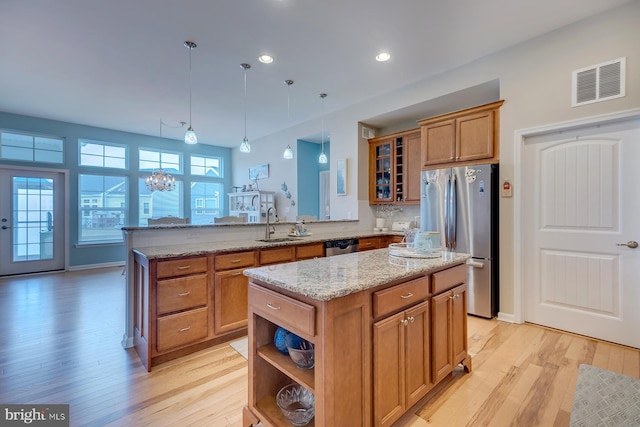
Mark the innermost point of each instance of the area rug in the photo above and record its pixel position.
(605, 398)
(241, 346)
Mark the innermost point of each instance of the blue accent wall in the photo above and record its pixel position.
(108, 253)
(308, 175)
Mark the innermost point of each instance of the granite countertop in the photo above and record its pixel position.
(203, 248)
(333, 277)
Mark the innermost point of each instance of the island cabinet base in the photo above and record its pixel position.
(341, 377)
(374, 349)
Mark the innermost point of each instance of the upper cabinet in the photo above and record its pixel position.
(469, 136)
(394, 168)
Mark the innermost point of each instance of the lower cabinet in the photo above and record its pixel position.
(401, 363)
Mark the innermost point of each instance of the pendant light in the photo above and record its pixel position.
(323, 157)
(288, 152)
(190, 135)
(245, 147)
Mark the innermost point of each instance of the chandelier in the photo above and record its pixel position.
(160, 181)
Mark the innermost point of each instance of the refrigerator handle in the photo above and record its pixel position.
(453, 214)
(447, 190)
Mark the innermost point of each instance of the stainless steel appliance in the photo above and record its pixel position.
(342, 246)
(461, 203)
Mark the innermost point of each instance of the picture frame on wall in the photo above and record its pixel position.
(341, 177)
(259, 171)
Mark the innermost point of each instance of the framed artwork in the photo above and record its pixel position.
(341, 177)
(259, 172)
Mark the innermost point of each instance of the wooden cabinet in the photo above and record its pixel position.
(312, 250)
(368, 243)
(172, 305)
(401, 345)
(466, 136)
(394, 168)
(449, 322)
(276, 255)
(230, 291)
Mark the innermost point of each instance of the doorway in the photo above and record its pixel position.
(324, 206)
(579, 223)
(32, 221)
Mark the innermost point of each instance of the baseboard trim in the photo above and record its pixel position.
(93, 266)
(506, 317)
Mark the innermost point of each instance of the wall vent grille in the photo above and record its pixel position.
(598, 82)
(368, 133)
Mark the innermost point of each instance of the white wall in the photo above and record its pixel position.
(535, 82)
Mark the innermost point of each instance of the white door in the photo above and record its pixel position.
(581, 193)
(32, 221)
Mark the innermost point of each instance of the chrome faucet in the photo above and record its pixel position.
(268, 231)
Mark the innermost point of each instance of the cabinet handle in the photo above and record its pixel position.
(272, 307)
(454, 296)
(184, 267)
(184, 329)
(409, 295)
(235, 261)
(405, 322)
(411, 319)
(184, 294)
(237, 274)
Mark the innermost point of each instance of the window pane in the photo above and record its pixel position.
(103, 202)
(159, 204)
(206, 166)
(31, 148)
(150, 160)
(206, 202)
(102, 154)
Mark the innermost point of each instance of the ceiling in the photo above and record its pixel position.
(121, 64)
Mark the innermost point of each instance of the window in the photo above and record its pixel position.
(31, 148)
(206, 202)
(103, 202)
(168, 161)
(102, 154)
(206, 166)
(159, 204)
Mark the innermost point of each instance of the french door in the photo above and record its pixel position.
(32, 221)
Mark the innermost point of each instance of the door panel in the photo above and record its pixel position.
(32, 222)
(580, 203)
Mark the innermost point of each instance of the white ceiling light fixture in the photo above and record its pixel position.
(383, 56)
(190, 135)
(265, 59)
(245, 147)
(323, 157)
(288, 152)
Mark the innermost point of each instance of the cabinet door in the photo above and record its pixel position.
(412, 168)
(230, 301)
(438, 143)
(441, 361)
(474, 136)
(388, 370)
(417, 347)
(380, 164)
(459, 323)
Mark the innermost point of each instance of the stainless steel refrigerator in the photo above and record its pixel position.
(461, 203)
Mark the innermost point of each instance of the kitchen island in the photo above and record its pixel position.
(386, 330)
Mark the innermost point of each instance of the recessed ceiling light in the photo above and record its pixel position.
(383, 56)
(265, 59)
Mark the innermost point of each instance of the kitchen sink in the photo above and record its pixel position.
(279, 239)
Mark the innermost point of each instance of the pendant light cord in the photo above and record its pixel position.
(245, 102)
(190, 88)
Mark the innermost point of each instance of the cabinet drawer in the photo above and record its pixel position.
(367, 243)
(182, 328)
(275, 255)
(182, 293)
(236, 260)
(447, 279)
(181, 267)
(399, 296)
(310, 251)
(282, 310)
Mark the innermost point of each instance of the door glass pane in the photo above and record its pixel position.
(32, 218)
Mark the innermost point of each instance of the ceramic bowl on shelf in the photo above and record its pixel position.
(301, 351)
(297, 404)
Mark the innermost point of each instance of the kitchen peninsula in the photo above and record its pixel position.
(386, 330)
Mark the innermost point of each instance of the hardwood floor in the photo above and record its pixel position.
(60, 343)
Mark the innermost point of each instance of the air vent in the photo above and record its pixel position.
(599, 82)
(368, 133)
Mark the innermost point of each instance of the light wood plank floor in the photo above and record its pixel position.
(60, 343)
